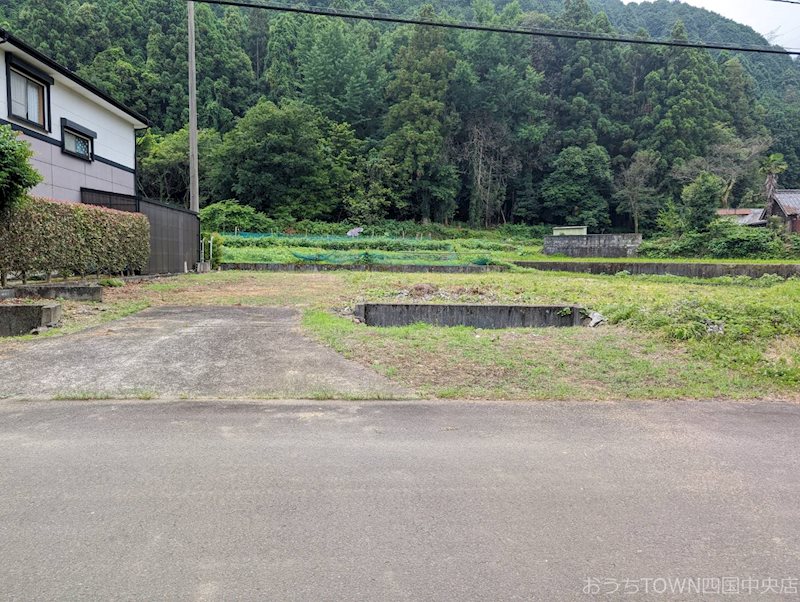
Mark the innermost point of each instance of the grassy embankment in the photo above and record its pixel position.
(399, 251)
(667, 337)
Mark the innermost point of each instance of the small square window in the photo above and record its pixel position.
(78, 145)
(77, 140)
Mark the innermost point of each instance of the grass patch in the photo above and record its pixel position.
(552, 364)
(111, 283)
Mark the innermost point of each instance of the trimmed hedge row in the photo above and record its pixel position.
(43, 236)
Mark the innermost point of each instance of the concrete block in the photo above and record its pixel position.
(72, 292)
(16, 320)
(477, 316)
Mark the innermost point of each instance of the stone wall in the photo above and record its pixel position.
(593, 245)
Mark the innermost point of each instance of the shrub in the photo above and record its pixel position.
(727, 240)
(230, 216)
(701, 199)
(49, 236)
(216, 247)
(112, 283)
(16, 174)
(723, 240)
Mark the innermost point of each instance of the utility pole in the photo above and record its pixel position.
(194, 169)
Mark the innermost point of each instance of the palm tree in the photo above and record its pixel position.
(772, 167)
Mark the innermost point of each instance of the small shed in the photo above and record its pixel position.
(784, 204)
(743, 216)
(571, 231)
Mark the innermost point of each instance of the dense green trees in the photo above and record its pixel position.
(636, 192)
(577, 191)
(309, 117)
(287, 161)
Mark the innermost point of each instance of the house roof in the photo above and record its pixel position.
(6, 37)
(744, 216)
(789, 200)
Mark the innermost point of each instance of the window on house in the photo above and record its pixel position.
(28, 99)
(77, 140)
(77, 144)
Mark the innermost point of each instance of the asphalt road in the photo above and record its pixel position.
(394, 501)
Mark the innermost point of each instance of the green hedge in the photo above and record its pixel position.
(41, 236)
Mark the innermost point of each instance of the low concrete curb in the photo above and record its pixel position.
(477, 316)
(303, 267)
(689, 270)
(72, 292)
(16, 320)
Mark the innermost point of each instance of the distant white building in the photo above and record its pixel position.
(82, 138)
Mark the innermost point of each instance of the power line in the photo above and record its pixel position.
(786, 1)
(547, 33)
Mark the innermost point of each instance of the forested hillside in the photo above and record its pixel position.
(309, 117)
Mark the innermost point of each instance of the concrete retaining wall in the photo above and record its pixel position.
(16, 320)
(689, 270)
(478, 316)
(72, 292)
(593, 245)
(310, 267)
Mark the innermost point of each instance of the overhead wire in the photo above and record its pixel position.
(536, 32)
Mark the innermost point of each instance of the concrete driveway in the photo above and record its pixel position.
(198, 352)
(398, 501)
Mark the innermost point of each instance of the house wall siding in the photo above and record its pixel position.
(64, 175)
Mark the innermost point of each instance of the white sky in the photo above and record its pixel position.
(779, 23)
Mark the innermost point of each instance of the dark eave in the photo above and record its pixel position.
(5, 36)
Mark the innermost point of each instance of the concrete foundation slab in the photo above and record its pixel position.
(477, 316)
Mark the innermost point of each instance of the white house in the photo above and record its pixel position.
(82, 138)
